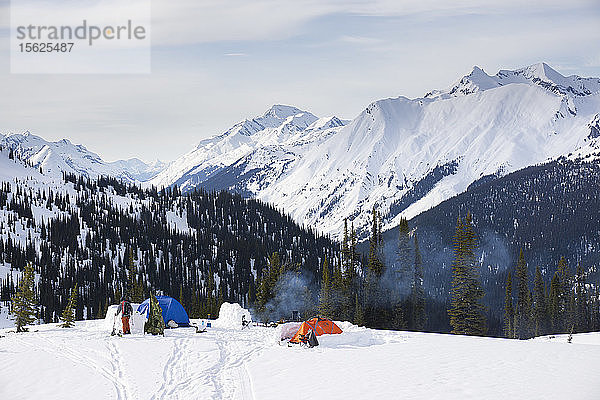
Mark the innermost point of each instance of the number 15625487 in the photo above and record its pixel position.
(46, 47)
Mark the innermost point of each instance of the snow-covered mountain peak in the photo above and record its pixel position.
(281, 112)
(477, 80)
(543, 75)
(279, 115)
(275, 117)
(540, 71)
(540, 74)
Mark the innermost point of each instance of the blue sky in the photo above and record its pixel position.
(217, 62)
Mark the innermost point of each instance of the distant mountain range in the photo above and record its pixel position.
(54, 158)
(403, 156)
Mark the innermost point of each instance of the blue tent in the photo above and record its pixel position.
(171, 310)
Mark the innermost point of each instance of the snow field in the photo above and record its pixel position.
(229, 363)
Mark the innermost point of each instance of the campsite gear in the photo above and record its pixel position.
(172, 324)
(155, 324)
(171, 310)
(310, 339)
(125, 308)
(320, 326)
(245, 323)
(200, 329)
(114, 330)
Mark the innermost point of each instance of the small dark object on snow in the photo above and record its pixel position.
(570, 338)
(310, 339)
(245, 323)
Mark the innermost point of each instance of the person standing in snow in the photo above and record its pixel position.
(126, 310)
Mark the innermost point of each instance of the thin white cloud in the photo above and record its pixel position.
(192, 21)
(360, 40)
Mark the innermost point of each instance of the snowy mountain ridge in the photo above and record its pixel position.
(540, 74)
(401, 155)
(280, 130)
(54, 158)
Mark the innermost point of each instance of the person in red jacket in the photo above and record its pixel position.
(126, 310)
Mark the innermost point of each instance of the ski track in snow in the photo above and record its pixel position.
(227, 378)
(62, 349)
(116, 361)
(208, 365)
(178, 379)
(233, 364)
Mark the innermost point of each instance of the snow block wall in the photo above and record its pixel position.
(136, 322)
(230, 316)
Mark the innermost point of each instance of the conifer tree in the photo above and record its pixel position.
(351, 280)
(571, 312)
(131, 273)
(554, 314)
(582, 309)
(346, 246)
(418, 294)
(540, 308)
(466, 314)
(23, 302)
(181, 295)
(268, 279)
(325, 306)
(359, 317)
(404, 256)
(509, 312)
(133, 288)
(523, 311)
(337, 294)
(68, 315)
(564, 293)
(375, 263)
(374, 296)
(117, 295)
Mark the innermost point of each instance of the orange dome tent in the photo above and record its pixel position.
(320, 326)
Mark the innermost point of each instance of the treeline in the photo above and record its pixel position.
(568, 304)
(354, 287)
(96, 240)
(109, 238)
(550, 210)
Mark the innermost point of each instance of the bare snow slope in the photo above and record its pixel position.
(402, 155)
(86, 362)
(54, 158)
